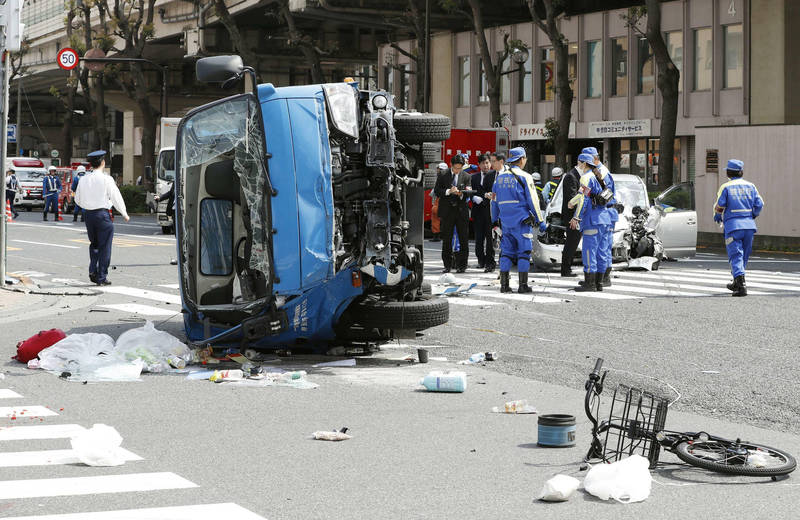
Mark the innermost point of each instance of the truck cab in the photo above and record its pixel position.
(30, 173)
(299, 215)
(165, 176)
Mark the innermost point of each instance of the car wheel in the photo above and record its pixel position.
(419, 127)
(416, 315)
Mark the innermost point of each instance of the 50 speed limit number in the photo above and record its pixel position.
(67, 58)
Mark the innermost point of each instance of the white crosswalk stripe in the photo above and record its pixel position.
(5, 393)
(25, 411)
(228, 511)
(12, 459)
(72, 486)
(684, 282)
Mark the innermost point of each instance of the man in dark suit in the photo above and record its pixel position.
(482, 213)
(454, 213)
(571, 183)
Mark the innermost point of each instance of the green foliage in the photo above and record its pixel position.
(135, 198)
(55, 92)
(551, 130)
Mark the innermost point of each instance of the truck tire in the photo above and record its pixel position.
(416, 315)
(419, 127)
(429, 179)
(431, 152)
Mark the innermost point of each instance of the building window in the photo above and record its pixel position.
(546, 74)
(524, 84)
(463, 83)
(674, 41)
(594, 69)
(703, 59)
(647, 67)
(505, 81)
(572, 67)
(732, 40)
(619, 66)
(505, 87)
(405, 86)
(388, 79)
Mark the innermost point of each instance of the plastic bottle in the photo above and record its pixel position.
(226, 375)
(176, 362)
(445, 382)
(477, 358)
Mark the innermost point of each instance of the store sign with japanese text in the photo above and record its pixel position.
(536, 132)
(624, 128)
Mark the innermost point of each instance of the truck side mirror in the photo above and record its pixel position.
(219, 69)
(148, 173)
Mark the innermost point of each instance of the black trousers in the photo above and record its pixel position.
(570, 246)
(484, 247)
(10, 199)
(458, 222)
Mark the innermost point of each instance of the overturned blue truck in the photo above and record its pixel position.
(299, 214)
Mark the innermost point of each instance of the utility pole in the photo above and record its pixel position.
(10, 15)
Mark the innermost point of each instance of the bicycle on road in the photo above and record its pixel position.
(635, 425)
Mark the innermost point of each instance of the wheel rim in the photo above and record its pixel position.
(741, 455)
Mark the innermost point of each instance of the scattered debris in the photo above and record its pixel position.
(709, 371)
(445, 382)
(519, 406)
(340, 435)
(558, 488)
(422, 354)
(646, 263)
(99, 446)
(338, 363)
(226, 375)
(626, 481)
(479, 357)
(28, 349)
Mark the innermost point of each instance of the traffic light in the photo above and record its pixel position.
(11, 11)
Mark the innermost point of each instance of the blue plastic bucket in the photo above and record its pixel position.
(556, 431)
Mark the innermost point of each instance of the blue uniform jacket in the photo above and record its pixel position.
(51, 186)
(740, 204)
(75, 181)
(513, 202)
(591, 215)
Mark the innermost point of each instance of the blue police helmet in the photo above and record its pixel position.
(515, 154)
(735, 165)
(587, 158)
(472, 168)
(591, 150)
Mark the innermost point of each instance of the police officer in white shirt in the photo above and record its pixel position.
(96, 193)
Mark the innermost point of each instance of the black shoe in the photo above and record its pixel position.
(606, 281)
(93, 278)
(44, 219)
(588, 284)
(598, 282)
(732, 286)
(74, 219)
(461, 270)
(489, 268)
(568, 274)
(523, 284)
(81, 219)
(741, 286)
(480, 266)
(104, 282)
(504, 279)
(446, 270)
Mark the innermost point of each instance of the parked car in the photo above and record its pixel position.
(672, 216)
(30, 173)
(299, 215)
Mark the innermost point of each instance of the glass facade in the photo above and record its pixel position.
(524, 82)
(483, 91)
(619, 66)
(674, 41)
(703, 59)
(647, 69)
(35, 11)
(572, 66)
(546, 74)
(733, 56)
(594, 69)
(463, 83)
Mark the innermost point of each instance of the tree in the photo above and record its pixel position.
(68, 98)
(308, 46)
(545, 14)
(415, 16)
(101, 39)
(131, 22)
(667, 81)
(240, 46)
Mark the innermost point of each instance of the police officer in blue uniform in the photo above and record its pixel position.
(80, 171)
(12, 186)
(737, 206)
(593, 220)
(611, 207)
(516, 205)
(51, 187)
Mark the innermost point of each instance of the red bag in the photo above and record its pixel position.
(30, 348)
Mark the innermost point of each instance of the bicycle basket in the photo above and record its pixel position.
(634, 419)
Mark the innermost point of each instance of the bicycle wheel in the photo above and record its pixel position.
(736, 458)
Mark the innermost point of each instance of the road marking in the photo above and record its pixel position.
(25, 411)
(5, 393)
(693, 279)
(228, 511)
(30, 274)
(529, 298)
(750, 275)
(58, 487)
(125, 242)
(10, 248)
(170, 286)
(83, 231)
(141, 293)
(45, 244)
(49, 431)
(631, 278)
(463, 300)
(135, 308)
(724, 278)
(16, 459)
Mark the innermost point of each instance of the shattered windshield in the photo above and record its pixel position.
(222, 156)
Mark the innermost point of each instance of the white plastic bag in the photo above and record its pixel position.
(98, 446)
(78, 353)
(156, 348)
(331, 436)
(558, 488)
(626, 481)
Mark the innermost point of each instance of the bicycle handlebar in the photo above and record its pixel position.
(596, 371)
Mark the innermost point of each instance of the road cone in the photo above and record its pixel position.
(9, 218)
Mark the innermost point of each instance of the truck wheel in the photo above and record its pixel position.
(429, 179)
(431, 153)
(419, 127)
(416, 315)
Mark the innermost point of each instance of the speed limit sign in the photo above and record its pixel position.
(67, 58)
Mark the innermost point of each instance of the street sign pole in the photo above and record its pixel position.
(3, 154)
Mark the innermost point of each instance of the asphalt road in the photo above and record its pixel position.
(727, 364)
